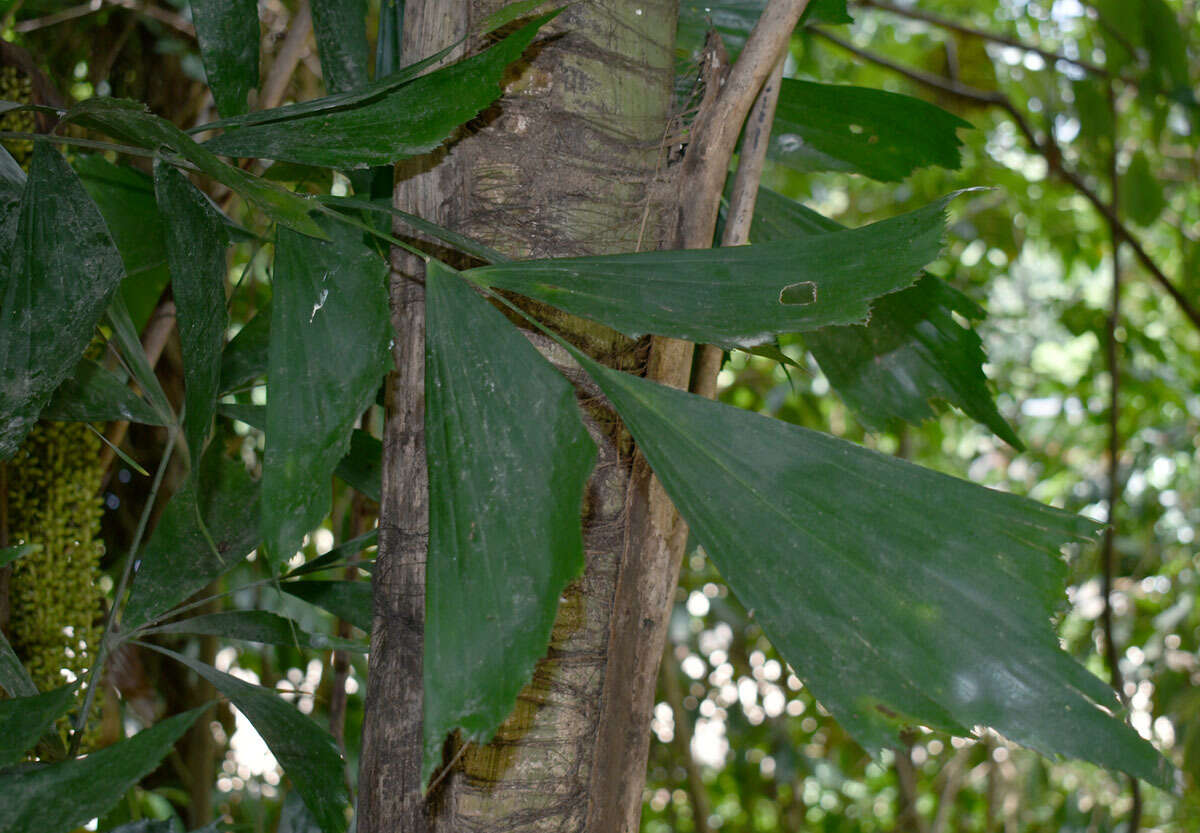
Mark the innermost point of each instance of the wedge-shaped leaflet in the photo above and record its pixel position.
(196, 243)
(508, 460)
(415, 118)
(246, 356)
(901, 596)
(12, 185)
(94, 394)
(256, 626)
(63, 796)
(828, 127)
(14, 678)
(183, 555)
(328, 352)
(347, 600)
(130, 121)
(340, 27)
(61, 272)
(24, 719)
(228, 34)
(125, 197)
(307, 752)
(742, 296)
(911, 351)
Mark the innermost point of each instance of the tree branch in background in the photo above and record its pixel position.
(1047, 148)
(682, 741)
(1108, 555)
(290, 53)
(914, 13)
(180, 24)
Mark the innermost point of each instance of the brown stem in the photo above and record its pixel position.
(649, 568)
(743, 196)
(1109, 556)
(389, 783)
(914, 13)
(291, 51)
(908, 818)
(1047, 148)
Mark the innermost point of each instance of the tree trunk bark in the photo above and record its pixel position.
(567, 163)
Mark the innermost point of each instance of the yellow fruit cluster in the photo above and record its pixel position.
(15, 86)
(54, 502)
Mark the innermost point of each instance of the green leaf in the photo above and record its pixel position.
(256, 626)
(60, 797)
(733, 20)
(130, 121)
(94, 394)
(14, 678)
(739, 296)
(338, 555)
(826, 11)
(413, 119)
(341, 30)
(347, 600)
(330, 331)
(362, 467)
(307, 752)
(507, 14)
(228, 33)
(910, 351)
(25, 719)
(11, 554)
(12, 185)
(508, 461)
(129, 347)
(245, 357)
(125, 197)
(196, 244)
(1141, 193)
(826, 127)
(901, 596)
(295, 817)
(459, 241)
(331, 103)
(61, 272)
(179, 558)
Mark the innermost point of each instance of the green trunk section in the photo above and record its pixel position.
(566, 164)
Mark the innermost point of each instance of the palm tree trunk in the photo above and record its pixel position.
(567, 163)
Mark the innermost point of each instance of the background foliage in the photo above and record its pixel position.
(743, 745)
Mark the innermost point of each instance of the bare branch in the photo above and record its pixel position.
(914, 13)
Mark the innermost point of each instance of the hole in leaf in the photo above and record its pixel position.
(798, 294)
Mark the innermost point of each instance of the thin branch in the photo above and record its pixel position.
(1048, 148)
(287, 58)
(682, 741)
(177, 22)
(1108, 557)
(914, 13)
